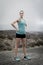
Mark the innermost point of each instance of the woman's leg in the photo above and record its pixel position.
(16, 45)
(24, 49)
(24, 45)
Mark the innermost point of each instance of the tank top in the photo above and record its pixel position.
(21, 27)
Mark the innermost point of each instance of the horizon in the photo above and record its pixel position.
(26, 31)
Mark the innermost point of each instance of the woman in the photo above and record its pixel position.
(20, 35)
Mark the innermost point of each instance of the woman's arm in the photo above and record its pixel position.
(14, 23)
(25, 24)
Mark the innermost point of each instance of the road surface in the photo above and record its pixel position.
(36, 54)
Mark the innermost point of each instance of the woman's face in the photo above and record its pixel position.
(21, 14)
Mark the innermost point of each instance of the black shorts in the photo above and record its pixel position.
(20, 35)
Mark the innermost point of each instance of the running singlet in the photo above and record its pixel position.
(21, 27)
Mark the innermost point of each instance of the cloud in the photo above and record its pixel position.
(9, 11)
(38, 5)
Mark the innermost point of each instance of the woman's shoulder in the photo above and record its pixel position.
(18, 20)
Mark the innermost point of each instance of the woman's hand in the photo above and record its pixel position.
(17, 29)
(26, 25)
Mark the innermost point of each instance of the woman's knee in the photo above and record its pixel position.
(24, 44)
(17, 43)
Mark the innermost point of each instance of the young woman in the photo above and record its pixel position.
(20, 35)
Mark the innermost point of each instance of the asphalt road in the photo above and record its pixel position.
(36, 54)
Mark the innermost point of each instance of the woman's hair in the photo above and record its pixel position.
(21, 11)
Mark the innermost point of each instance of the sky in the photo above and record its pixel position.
(33, 13)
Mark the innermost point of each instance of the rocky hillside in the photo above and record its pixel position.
(7, 39)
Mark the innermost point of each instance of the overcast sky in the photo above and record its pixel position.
(33, 13)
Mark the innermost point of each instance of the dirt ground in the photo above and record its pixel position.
(36, 54)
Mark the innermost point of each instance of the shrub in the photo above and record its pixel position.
(2, 36)
(10, 37)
